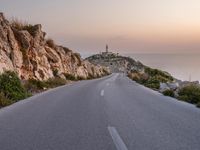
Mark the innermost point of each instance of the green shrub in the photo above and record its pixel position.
(54, 82)
(160, 74)
(11, 86)
(4, 101)
(169, 93)
(33, 85)
(153, 83)
(151, 77)
(190, 94)
(70, 77)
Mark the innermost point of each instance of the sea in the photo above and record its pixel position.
(185, 67)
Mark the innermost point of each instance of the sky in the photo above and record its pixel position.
(127, 26)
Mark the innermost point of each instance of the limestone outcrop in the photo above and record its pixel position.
(25, 50)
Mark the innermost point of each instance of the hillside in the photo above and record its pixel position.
(25, 50)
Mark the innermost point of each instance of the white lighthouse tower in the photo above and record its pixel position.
(106, 48)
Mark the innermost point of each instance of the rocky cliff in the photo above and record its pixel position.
(24, 49)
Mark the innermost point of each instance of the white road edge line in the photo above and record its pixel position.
(102, 92)
(117, 139)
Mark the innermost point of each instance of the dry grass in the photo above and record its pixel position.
(18, 24)
(22, 25)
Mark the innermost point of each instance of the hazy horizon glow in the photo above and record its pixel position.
(167, 26)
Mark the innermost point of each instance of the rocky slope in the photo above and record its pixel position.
(24, 49)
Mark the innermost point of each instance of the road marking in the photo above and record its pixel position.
(107, 84)
(102, 92)
(117, 139)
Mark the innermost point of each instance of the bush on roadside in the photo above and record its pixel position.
(11, 87)
(169, 93)
(153, 83)
(151, 77)
(54, 82)
(12, 90)
(190, 94)
(33, 85)
(160, 74)
(70, 77)
(4, 101)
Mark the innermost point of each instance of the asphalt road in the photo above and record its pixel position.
(111, 113)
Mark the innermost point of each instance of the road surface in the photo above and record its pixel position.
(111, 113)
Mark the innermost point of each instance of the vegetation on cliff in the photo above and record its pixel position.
(11, 89)
(190, 94)
(22, 25)
(150, 77)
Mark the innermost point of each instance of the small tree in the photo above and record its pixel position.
(11, 86)
(169, 93)
(190, 94)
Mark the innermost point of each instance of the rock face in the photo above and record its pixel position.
(27, 52)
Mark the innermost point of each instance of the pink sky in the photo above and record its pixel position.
(133, 26)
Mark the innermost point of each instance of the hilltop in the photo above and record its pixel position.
(115, 62)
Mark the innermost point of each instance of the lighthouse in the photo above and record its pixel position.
(106, 48)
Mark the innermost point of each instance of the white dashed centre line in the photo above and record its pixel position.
(102, 92)
(117, 139)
